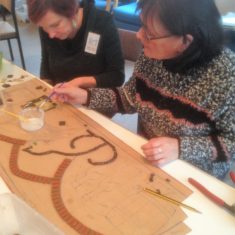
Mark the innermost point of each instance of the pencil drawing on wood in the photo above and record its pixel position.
(90, 182)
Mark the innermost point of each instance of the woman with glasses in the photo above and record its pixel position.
(183, 86)
(79, 43)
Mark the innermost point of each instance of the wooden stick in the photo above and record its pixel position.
(14, 115)
(170, 200)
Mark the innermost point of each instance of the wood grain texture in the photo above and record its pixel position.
(82, 178)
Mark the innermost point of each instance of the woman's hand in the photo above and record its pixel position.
(161, 150)
(70, 94)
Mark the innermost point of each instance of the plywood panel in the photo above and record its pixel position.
(82, 178)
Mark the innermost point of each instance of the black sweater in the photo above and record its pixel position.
(63, 60)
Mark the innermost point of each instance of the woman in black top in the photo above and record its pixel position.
(79, 43)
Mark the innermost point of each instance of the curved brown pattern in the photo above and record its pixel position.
(13, 163)
(23, 174)
(107, 143)
(104, 162)
(28, 150)
(11, 140)
(59, 204)
(72, 145)
(54, 181)
(72, 142)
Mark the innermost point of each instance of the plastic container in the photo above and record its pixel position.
(32, 119)
(16, 217)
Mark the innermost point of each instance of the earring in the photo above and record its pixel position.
(74, 24)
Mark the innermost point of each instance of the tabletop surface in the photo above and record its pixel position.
(213, 220)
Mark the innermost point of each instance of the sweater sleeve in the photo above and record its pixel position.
(116, 100)
(214, 153)
(113, 75)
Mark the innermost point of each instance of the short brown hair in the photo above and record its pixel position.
(38, 8)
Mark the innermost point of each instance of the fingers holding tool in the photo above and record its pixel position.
(70, 94)
(50, 96)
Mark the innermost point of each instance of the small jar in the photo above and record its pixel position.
(32, 118)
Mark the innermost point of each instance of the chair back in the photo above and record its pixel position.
(10, 6)
(8, 32)
(131, 46)
(7, 4)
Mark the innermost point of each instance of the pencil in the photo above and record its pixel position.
(164, 197)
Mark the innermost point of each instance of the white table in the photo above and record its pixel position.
(213, 220)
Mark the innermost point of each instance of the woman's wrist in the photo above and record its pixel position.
(86, 99)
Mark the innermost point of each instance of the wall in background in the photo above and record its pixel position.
(225, 6)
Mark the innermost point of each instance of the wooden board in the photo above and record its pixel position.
(82, 178)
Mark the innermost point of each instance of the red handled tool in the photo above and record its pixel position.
(211, 196)
(232, 176)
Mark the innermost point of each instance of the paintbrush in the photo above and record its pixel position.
(49, 97)
(14, 115)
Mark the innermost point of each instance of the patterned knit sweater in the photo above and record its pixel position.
(197, 107)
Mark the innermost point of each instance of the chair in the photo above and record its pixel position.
(126, 17)
(131, 46)
(7, 31)
(103, 4)
(109, 5)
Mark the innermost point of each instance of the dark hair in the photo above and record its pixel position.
(38, 8)
(200, 18)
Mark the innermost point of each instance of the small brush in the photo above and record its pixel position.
(49, 97)
(14, 115)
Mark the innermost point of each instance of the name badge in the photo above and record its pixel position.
(92, 43)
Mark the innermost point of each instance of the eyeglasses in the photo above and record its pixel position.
(151, 37)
